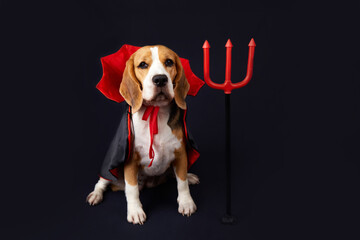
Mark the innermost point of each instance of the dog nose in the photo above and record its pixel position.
(160, 80)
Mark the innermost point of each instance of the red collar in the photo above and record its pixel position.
(151, 111)
(114, 66)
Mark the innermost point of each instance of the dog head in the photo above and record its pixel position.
(154, 76)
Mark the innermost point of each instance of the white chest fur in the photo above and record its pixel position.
(164, 145)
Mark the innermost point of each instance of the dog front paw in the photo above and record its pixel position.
(186, 206)
(94, 198)
(135, 214)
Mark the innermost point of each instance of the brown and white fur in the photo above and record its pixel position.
(140, 87)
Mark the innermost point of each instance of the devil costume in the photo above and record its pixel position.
(121, 145)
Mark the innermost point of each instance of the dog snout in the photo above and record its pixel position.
(160, 80)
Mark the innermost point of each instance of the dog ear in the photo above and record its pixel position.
(130, 87)
(181, 85)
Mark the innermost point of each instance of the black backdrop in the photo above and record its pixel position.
(295, 129)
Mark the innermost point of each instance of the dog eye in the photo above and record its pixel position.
(169, 62)
(143, 65)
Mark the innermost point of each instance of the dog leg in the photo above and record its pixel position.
(96, 196)
(186, 203)
(135, 212)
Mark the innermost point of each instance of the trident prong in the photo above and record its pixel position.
(228, 86)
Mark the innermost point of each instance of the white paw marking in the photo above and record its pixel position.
(193, 179)
(136, 214)
(94, 198)
(187, 207)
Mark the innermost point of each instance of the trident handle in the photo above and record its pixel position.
(228, 86)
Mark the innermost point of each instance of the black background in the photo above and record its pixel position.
(295, 130)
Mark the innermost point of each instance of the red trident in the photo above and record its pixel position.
(228, 86)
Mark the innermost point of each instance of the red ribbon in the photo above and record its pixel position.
(152, 112)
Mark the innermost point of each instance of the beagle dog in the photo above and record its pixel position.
(153, 79)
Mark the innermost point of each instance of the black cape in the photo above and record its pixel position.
(121, 147)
